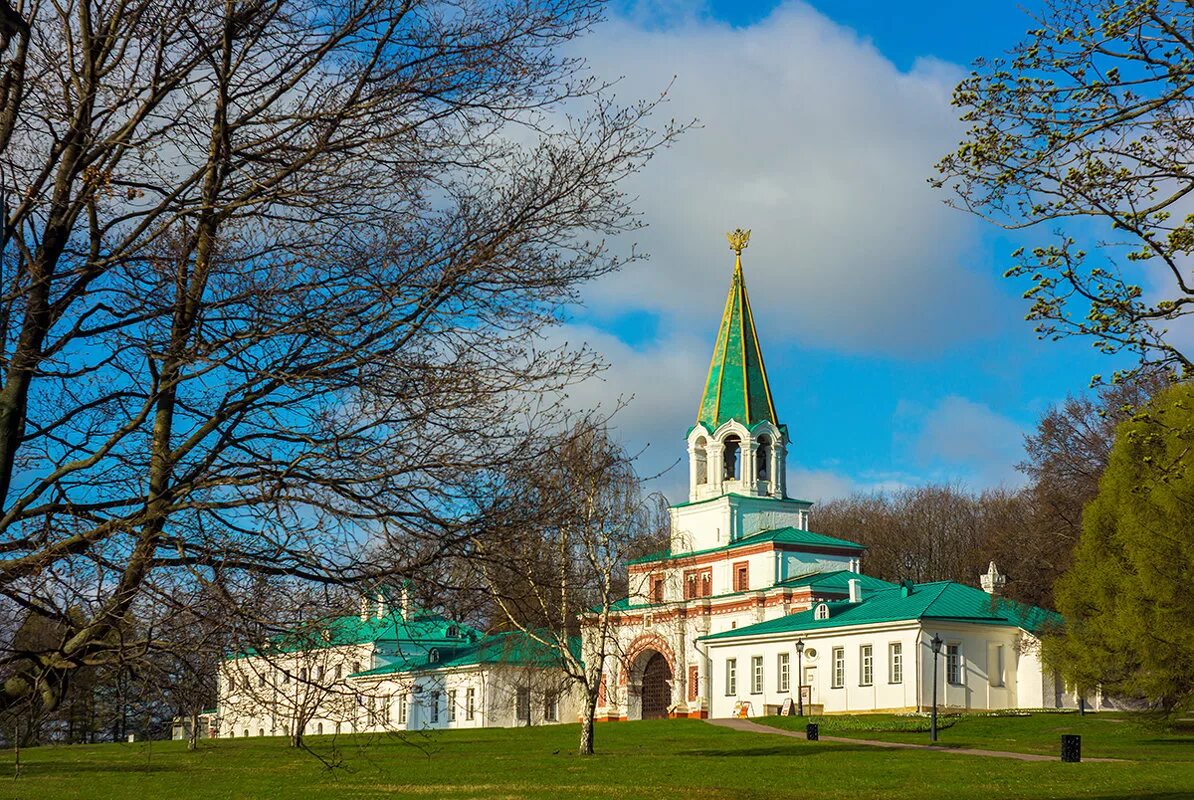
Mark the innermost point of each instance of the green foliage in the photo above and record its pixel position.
(1086, 126)
(1127, 598)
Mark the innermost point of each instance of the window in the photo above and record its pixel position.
(385, 710)
(452, 705)
(261, 731)
(995, 665)
(453, 631)
(322, 672)
(783, 669)
(433, 656)
(732, 445)
(741, 576)
(895, 662)
(694, 677)
(756, 674)
(433, 702)
(303, 674)
(402, 709)
(246, 733)
(866, 667)
(839, 667)
(523, 709)
(356, 666)
(470, 703)
(700, 461)
(953, 662)
(763, 458)
(707, 583)
(822, 611)
(656, 588)
(339, 671)
(731, 677)
(551, 706)
(261, 679)
(319, 729)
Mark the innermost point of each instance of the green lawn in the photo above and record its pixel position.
(656, 760)
(1104, 735)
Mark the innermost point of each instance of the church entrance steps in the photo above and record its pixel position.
(747, 726)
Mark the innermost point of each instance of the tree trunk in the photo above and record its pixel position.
(193, 734)
(586, 725)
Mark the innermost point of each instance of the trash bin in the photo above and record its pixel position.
(1071, 748)
(812, 732)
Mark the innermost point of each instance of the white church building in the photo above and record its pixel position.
(745, 612)
(748, 606)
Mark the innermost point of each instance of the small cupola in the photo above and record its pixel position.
(993, 581)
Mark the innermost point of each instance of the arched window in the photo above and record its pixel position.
(434, 656)
(822, 612)
(701, 459)
(763, 458)
(733, 447)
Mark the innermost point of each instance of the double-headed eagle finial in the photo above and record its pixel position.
(738, 240)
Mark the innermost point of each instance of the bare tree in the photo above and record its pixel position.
(566, 565)
(272, 278)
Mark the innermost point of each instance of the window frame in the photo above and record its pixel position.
(522, 702)
(895, 662)
(954, 671)
(837, 663)
(694, 682)
(998, 670)
(756, 675)
(783, 668)
(451, 705)
(731, 677)
(551, 706)
(470, 704)
(866, 664)
(743, 568)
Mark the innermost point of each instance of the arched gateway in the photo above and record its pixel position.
(656, 687)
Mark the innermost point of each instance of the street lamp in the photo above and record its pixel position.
(799, 673)
(936, 643)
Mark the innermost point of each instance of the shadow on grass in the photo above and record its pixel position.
(787, 751)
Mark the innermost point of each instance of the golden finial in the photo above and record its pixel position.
(738, 240)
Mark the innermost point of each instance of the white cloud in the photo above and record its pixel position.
(963, 440)
(813, 139)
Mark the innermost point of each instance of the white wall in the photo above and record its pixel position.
(974, 690)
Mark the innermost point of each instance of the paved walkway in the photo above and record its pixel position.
(747, 726)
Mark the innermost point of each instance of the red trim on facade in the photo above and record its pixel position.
(739, 552)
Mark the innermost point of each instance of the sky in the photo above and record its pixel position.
(898, 354)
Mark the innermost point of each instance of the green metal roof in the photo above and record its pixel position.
(510, 648)
(783, 536)
(943, 600)
(737, 384)
(423, 628)
(836, 582)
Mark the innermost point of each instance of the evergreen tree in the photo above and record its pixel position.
(1126, 597)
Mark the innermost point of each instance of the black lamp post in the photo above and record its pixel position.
(799, 673)
(936, 643)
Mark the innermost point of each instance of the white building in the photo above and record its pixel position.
(391, 668)
(711, 624)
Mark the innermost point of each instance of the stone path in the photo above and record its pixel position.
(747, 726)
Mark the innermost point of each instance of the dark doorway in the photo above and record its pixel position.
(657, 687)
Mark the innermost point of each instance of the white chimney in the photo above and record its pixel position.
(855, 590)
(992, 582)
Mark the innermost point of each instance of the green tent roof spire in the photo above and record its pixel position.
(737, 384)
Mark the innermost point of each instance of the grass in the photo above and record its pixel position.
(636, 760)
(1104, 735)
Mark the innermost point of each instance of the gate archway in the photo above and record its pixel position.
(657, 687)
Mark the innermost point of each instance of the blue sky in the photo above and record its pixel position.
(897, 353)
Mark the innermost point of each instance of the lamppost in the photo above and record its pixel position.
(799, 677)
(936, 643)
